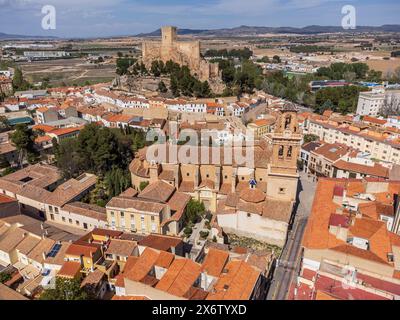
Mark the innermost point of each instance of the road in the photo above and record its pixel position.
(290, 258)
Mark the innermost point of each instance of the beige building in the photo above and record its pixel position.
(262, 127)
(272, 178)
(379, 146)
(159, 208)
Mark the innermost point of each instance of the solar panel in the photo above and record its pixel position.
(53, 252)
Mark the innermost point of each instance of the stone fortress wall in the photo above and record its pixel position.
(181, 52)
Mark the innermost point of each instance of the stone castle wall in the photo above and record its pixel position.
(183, 53)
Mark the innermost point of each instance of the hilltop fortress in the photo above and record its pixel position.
(181, 52)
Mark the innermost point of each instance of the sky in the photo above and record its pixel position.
(94, 18)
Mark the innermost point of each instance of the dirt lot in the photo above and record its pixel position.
(384, 65)
(69, 71)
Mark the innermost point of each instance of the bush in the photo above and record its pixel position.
(188, 231)
(143, 185)
(204, 234)
(4, 277)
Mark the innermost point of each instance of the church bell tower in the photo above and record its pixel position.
(286, 140)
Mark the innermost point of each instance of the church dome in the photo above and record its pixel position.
(252, 195)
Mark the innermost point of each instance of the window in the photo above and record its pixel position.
(77, 222)
(85, 226)
(52, 217)
(55, 209)
(187, 174)
(63, 219)
(289, 153)
(281, 190)
(280, 154)
(152, 218)
(122, 215)
(70, 221)
(51, 208)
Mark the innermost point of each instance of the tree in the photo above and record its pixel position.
(19, 83)
(4, 124)
(264, 59)
(155, 68)
(65, 289)
(116, 181)
(162, 87)
(276, 59)
(310, 138)
(23, 138)
(194, 210)
(4, 277)
(391, 106)
(143, 185)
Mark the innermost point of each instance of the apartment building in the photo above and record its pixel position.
(305, 153)
(351, 243)
(322, 158)
(159, 208)
(370, 103)
(380, 145)
(262, 127)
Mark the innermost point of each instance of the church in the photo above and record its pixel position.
(255, 201)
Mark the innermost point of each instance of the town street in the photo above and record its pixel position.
(288, 263)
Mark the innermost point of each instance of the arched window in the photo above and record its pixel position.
(281, 150)
(288, 120)
(289, 153)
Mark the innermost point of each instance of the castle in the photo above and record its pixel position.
(181, 52)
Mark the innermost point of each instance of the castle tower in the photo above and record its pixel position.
(168, 35)
(286, 139)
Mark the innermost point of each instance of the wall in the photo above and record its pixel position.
(255, 226)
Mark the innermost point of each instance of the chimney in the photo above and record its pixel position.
(44, 255)
(42, 226)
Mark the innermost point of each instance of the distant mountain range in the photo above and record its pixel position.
(5, 36)
(249, 31)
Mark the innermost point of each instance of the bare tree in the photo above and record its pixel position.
(391, 105)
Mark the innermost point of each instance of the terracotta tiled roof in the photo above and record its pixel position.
(164, 259)
(237, 282)
(69, 269)
(161, 242)
(252, 195)
(215, 262)
(332, 151)
(180, 277)
(158, 191)
(87, 210)
(122, 248)
(143, 265)
(377, 170)
(81, 250)
(136, 204)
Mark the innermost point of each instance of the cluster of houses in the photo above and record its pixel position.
(111, 264)
(378, 137)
